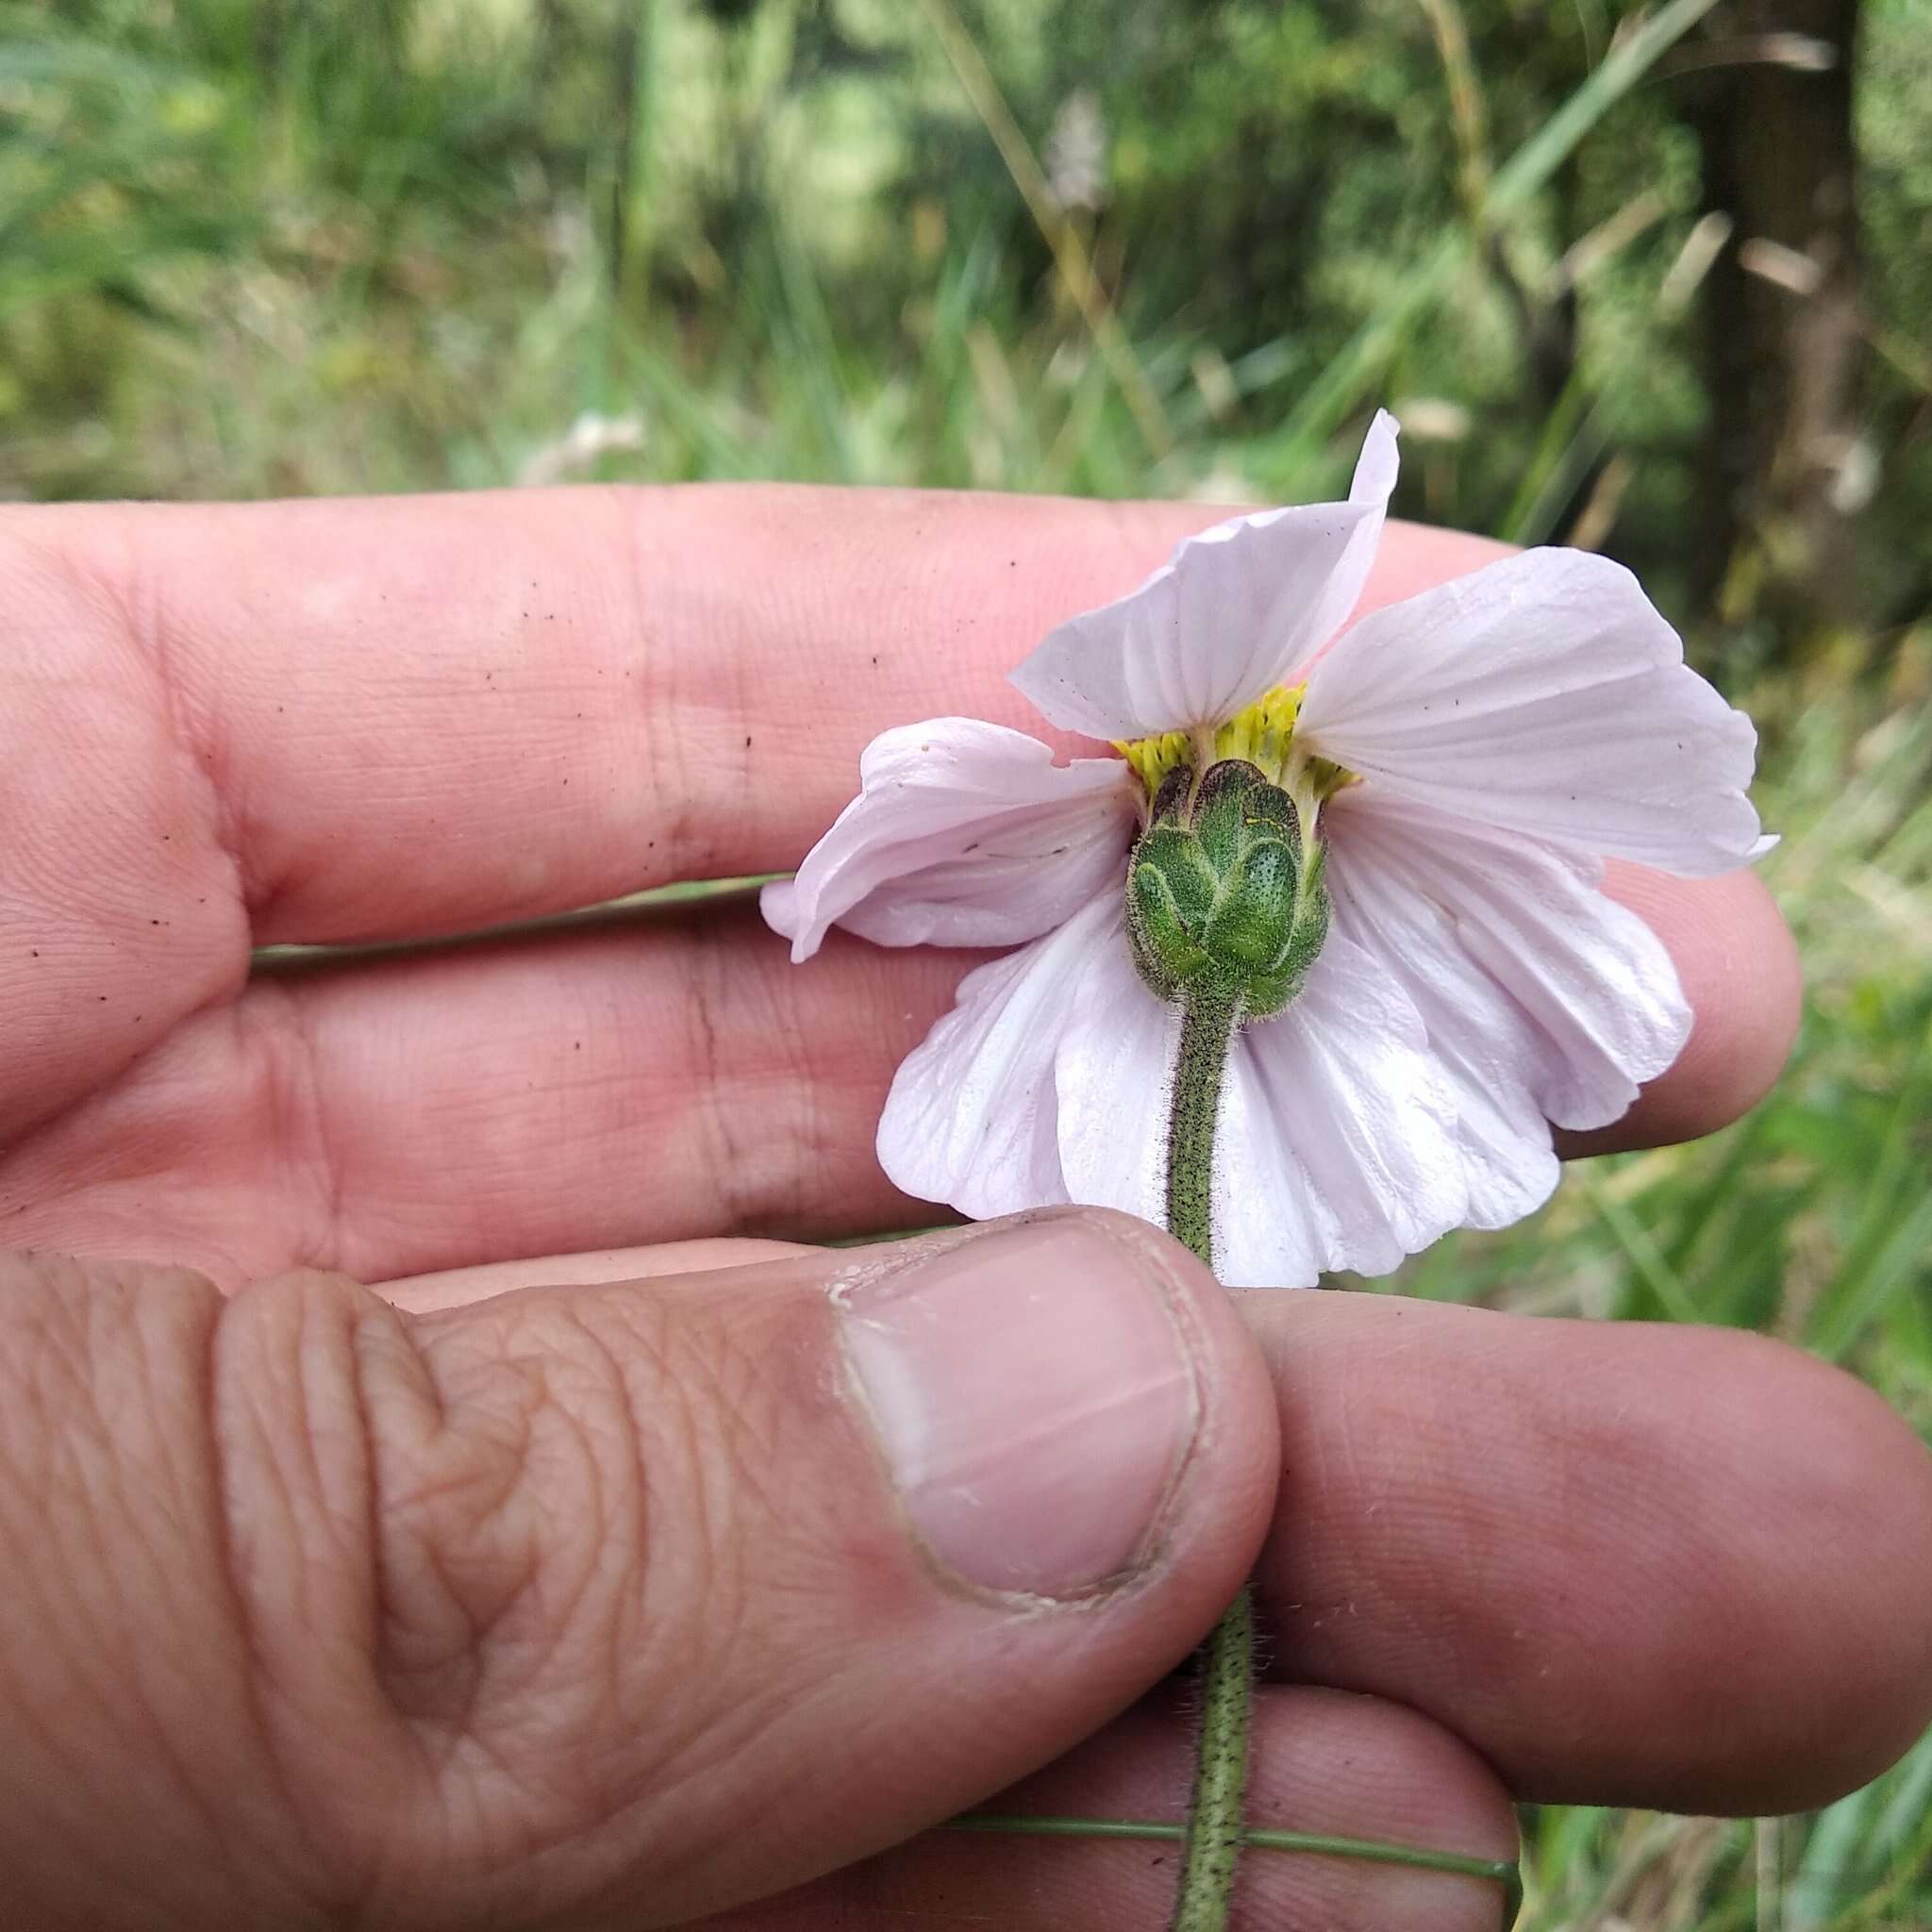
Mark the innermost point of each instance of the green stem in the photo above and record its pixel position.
(1215, 1823)
(1207, 1022)
(1216, 1828)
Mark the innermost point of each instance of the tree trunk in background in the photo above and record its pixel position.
(1782, 482)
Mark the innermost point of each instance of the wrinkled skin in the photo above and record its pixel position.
(554, 1577)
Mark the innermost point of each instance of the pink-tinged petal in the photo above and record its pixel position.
(971, 1117)
(963, 834)
(1271, 1227)
(1477, 1034)
(1538, 990)
(1232, 615)
(1112, 1076)
(1338, 1142)
(1544, 694)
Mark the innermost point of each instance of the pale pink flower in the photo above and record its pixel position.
(1496, 737)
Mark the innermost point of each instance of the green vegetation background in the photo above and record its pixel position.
(257, 247)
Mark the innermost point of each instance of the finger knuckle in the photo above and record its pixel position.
(573, 1510)
(514, 1527)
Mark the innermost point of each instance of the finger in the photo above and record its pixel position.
(1671, 1567)
(616, 1088)
(1320, 1762)
(440, 712)
(346, 721)
(520, 1612)
(458, 1287)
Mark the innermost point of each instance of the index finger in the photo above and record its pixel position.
(439, 714)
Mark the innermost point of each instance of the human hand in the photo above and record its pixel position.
(596, 1603)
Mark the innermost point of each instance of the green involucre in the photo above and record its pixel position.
(1223, 899)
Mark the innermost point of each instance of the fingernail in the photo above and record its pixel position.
(1036, 1397)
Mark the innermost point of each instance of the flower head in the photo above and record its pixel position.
(1386, 840)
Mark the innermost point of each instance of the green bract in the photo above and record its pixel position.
(1222, 898)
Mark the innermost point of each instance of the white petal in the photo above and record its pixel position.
(1544, 694)
(1338, 1137)
(1478, 1035)
(971, 1117)
(1591, 1005)
(963, 834)
(1112, 1074)
(1271, 1229)
(1234, 613)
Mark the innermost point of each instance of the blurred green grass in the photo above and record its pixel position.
(252, 247)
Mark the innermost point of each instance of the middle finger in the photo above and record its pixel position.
(1632, 1563)
(671, 1079)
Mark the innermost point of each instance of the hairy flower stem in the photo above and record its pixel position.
(1216, 1830)
(1215, 1822)
(1208, 1022)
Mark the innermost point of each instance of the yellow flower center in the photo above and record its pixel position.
(1263, 735)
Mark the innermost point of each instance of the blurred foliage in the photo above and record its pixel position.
(276, 246)
(259, 245)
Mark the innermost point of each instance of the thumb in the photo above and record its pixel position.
(627, 1601)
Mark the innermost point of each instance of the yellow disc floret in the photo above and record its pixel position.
(1153, 759)
(1262, 733)
(1261, 736)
